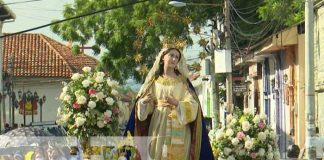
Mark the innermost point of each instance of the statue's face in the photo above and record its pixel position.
(171, 59)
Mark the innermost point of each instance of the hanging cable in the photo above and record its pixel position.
(5, 4)
(75, 17)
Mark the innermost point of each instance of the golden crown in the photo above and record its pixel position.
(174, 43)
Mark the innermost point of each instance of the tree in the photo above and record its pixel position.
(130, 36)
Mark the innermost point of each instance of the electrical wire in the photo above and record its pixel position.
(6, 4)
(243, 19)
(75, 17)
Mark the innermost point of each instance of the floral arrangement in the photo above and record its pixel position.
(246, 136)
(89, 105)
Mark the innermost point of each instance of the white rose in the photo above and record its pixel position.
(122, 158)
(261, 152)
(100, 124)
(248, 144)
(245, 126)
(79, 121)
(263, 116)
(62, 95)
(99, 79)
(241, 152)
(86, 83)
(235, 141)
(276, 155)
(229, 118)
(108, 113)
(91, 104)
(269, 148)
(114, 92)
(233, 121)
(230, 158)
(256, 119)
(76, 76)
(267, 132)
(227, 151)
(86, 69)
(67, 98)
(110, 101)
(262, 136)
(229, 132)
(64, 89)
(273, 135)
(112, 83)
(270, 155)
(101, 74)
(81, 100)
(100, 95)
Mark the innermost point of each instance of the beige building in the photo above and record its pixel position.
(36, 64)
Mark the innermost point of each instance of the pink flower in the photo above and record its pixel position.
(107, 119)
(240, 135)
(261, 124)
(76, 105)
(115, 110)
(253, 155)
(92, 91)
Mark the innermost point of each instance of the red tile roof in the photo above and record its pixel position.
(36, 55)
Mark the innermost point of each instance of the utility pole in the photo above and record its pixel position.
(229, 88)
(309, 80)
(214, 93)
(1, 78)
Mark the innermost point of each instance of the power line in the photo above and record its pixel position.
(75, 17)
(19, 2)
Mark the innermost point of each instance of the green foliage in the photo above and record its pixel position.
(126, 31)
(286, 13)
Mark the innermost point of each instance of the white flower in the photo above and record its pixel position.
(122, 158)
(91, 104)
(235, 141)
(262, 136)
(263, 116)
(81, 100)
(256, 119)
(114, 92)
(241, 152)
(229, 118)
(100, 74)
(108, 113)
(269, 148)
(110, 101)
(219, 136)
(245, 126)
(99, 79)
(76, 76)
(248, 144)
(270, 155)
(86, 83)
(112, 83)
(267, 132)
(233, 121)
(86, 69)
(100, 95)
(273, 135)
(100, 123)
(67, 98)
(276, 155)
(261, 152)
(227, 151)
(64, 89)
(62, 95)
(79, 121)
(229, 132)
(230, 158)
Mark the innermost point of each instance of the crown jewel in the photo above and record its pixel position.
(174, 43)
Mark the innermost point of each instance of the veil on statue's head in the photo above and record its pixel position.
(168, 43)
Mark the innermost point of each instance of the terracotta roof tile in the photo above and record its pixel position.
(36, 55)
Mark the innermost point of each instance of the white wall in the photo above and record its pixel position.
(51, 88)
